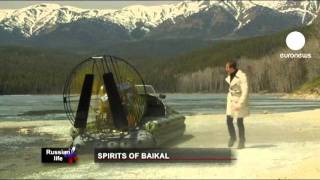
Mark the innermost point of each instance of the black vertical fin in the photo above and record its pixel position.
(118, 113)
(84, 102)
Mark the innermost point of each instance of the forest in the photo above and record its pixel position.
(203, 70)
(27, 70)
(31, 70)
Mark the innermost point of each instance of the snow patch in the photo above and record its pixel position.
(32, 20)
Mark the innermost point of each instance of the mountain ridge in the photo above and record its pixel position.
(37, 19)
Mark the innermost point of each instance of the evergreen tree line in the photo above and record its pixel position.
(26, 70)
(203, 70)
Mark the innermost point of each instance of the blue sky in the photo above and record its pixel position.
(83, 4)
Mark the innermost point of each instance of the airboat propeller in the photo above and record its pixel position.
(109, 105)
(104, 86)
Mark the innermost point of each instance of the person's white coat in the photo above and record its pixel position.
(237, 100)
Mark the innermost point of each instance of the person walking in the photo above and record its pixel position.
(237, 102)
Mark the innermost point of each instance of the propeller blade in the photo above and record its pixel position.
(118, 113)
(84, 102)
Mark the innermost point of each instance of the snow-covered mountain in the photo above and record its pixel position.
(34, 19)
(44, 18)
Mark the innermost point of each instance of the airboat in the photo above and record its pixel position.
(110, 106)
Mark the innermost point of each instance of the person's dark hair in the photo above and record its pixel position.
(232, 63)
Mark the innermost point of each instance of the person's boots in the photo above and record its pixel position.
(241, 144)
(231, 142)
(242, 138)
(231, 131)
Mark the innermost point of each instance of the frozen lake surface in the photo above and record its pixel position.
(43, 107)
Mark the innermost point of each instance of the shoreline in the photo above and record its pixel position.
(302, 96)
(190, 93)
(285, 144)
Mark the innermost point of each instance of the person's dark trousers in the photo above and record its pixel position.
(232, 131)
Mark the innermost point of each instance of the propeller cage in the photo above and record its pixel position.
(104, 90)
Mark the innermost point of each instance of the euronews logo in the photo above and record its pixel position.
(295, 41)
